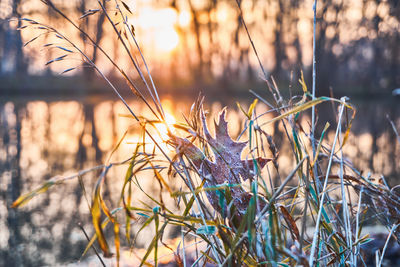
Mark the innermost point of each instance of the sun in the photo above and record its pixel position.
(167, 39)
(165, 127)
(157, 26)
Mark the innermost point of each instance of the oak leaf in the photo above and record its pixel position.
(227, 168)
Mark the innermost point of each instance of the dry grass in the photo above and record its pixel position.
(235, 206)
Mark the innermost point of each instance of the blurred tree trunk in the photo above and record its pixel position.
(83, 23)
(210, 28)
(294, 16)
(186, 52)
(99, 32)
(234, 72)
(49, 52)
(89, 72)
(378, 55)
(2, 45)
(13, 56)
(21, 66)
(196, 29)
(279, 46)
(394, 80)
(327, 61)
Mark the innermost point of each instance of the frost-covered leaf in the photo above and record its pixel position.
(226, 168)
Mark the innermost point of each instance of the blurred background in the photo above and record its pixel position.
(193, 44)
(54, 124)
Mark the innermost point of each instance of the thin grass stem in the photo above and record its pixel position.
(394, 227)
(321, 204)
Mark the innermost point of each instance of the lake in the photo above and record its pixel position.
(41, 138)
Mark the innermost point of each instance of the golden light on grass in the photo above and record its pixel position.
(163, 128)
(159, 132)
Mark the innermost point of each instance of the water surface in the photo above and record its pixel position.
(41, 138)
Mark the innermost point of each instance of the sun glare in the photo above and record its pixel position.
(160, 136)
(167, 40)
(161, 24)
(184, 18)
(163, 127)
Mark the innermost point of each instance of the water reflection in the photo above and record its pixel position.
(40, 139)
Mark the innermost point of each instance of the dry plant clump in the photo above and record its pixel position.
(242, 214)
